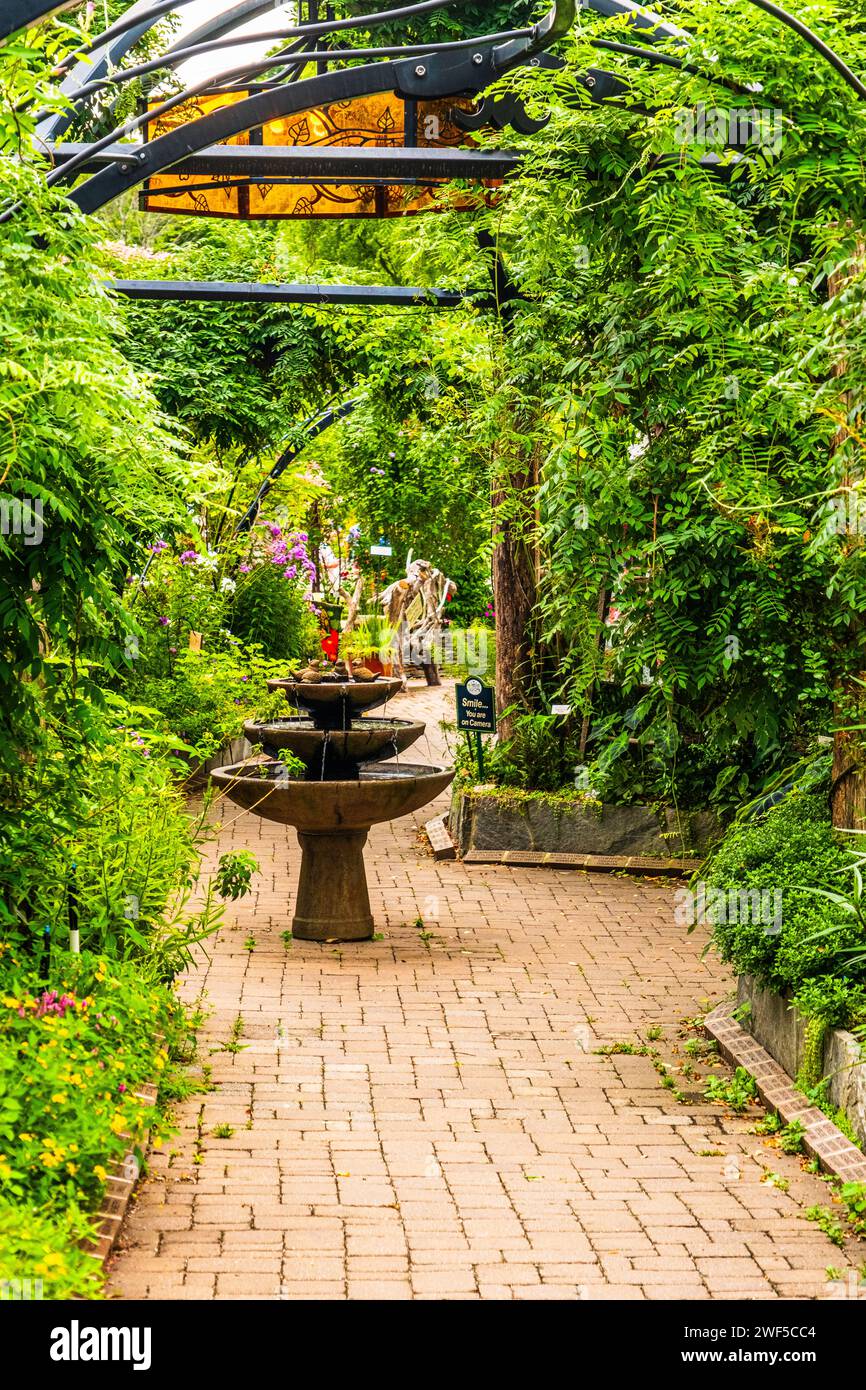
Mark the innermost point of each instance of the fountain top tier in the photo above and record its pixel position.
(335, 703)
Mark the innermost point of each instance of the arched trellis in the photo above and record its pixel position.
(303, 435)
(427, 72)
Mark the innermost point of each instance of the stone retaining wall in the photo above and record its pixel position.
(501, 822)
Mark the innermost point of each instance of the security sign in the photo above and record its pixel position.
(476, 707)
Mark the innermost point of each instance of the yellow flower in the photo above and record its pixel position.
(25, 1137)
(118, 1123)
(5, 1167)
(11, 1002)
(54, 1263)
(100, 1172)
(59, 1097)
(72, 1169)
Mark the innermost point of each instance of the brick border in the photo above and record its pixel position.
(119, 1188)
(821, 1139)
(601, 863)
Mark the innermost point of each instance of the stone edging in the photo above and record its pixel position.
(821, 1138)
(119, 1187)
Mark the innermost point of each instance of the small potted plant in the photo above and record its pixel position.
(370, 645)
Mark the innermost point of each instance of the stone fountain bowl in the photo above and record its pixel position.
(330, 699)
(384, 792)
(368, 740)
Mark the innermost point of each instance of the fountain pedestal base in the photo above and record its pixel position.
(333, 900)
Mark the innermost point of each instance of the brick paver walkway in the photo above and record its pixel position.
(425, 1115)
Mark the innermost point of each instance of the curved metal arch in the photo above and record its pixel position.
(110, 47)
(827, 53)
(307, 55)
(312, 427)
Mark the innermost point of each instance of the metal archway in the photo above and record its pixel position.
(304, 434)
(425, 72)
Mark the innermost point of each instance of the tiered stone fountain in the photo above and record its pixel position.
(347, 788)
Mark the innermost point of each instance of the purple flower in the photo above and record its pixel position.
(244, 569)
(163, 622)
(275, 531)
(189, 557)
(291, 572)
(159, 547)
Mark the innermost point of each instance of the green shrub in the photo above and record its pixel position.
(208, 696)
(42, 1256)
(271, 613)
(75, 1052)
(96, 826)
(791, 848)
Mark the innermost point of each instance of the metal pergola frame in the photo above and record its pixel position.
(276, 88)
(421, 73)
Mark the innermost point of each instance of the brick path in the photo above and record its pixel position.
(425, 1116)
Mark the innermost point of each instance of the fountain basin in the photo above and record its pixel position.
(368, 740)
(382, 792)
(335, 702)
(333, 820)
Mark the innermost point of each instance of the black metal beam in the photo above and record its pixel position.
(319, 164)
(21, 14)
(222, 291)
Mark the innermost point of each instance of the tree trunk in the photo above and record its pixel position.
(515, 580)
(848, 788)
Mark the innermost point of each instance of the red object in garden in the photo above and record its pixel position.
(331, 645)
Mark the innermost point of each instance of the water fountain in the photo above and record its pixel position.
(348, 786)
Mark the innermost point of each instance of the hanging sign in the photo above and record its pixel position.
(386, 550)
(476, 707)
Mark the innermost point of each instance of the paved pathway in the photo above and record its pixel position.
(426, 1115)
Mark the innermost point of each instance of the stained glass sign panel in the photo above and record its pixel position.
(378, 121)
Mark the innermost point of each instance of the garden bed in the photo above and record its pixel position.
(494, 819)
(774, 1022)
